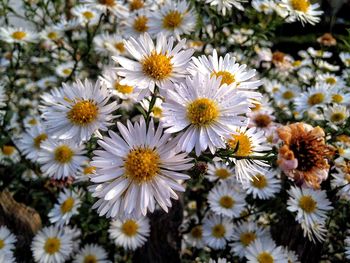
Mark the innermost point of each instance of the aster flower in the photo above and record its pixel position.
(303, 155)
(225, 200)
(195, 237)
(52, 244)
(208, 111)
(217, 231)
(337, 114)
(78, 111)
(9, 155)
(60, 159)
(91, 253)
(86, 15)
(17, 35)
(265, 250)
(303, 11)
(130, 233)
(136, 170)
(113, 6)
(157, 64)
(68, 204)
(224, 5)
(173, 18)
(219, 171)
(244, 234)
(137, 23)
(7, 242)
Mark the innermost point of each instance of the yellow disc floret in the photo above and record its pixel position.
(63, 154)
(19, 35)
(67, 205)
(130, 227)
(242, 143)
(300, 5)
(52, 245)
(172, 20)
(202, 112)
(218, 231)
(83, 113)
(307, 203)
(226, 77)
(226, 201)
(140, 24)
(157, 66)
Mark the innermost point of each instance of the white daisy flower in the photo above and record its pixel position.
(208, 110)
(85, 173)
(173, 18)
(123, 91)
(228, 71)
(114, 6)
(331, 79)
(286, 95)
(69, 201)
(219, 171)
(303, 11)
(226, 5)
(7, 241)
(9, 155)
(248, 142)
(319, 53)
(79, 111)
(322, 64)
(345, 58)
(291, 255)
(315, 232)
(86, 15)
(265, 250)
(136, 170)
(340, 96)
(30, 141)
(341, 181)
(51, 34)
(195, 237)
(130, 233)
(91, 253)
(337, 114)
(64, 70)
(225, 200)
(217, 231)
(137, 23)
(264, 185)
(155, 65)
(244, 234)
(52, 244)
(313, 98)
(17, 35)
(60, 159)
(263, 6)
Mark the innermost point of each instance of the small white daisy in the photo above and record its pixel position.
(69, 201)
(136, 170)
(225, 200)
(51, 34)
(345, 58)
(78, 111)
(195, 237)
(217, 231)
(130, 233)
(265, 250)
(264, 185)
(64, 70)
(7, 241)
(219, 171)
(52, 244)
(17, 35)
(137, 23)
(173, 18)
(115, 7)
(226, 5)
(9, 155)
(303, 11)
(91, 253)
(341, 181)
(60, 159)
(156, 64)
(86, 15)
(337, 114)
(244, 234)
(208, 111)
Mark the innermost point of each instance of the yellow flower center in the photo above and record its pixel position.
(124, 89)
(52, 245)
(89, 170)
(307, 203)
(83, 113)
(157, 66)
(2, 244)
(140, 24)
(39, 139)
(67, 205)
(109, 3)
(32, 122)
(88, 15)
(265, 257)
(202, 112)
(347, 61)
(259, 181)
(157, 112)
(247, 238)
(288, 95)
(120, 47)
(8, 150)
(197, 232)
(130, 227)
(331, 81)
(338, 116)
(226, 77)
(142, 164)
(257, 106)
(297, 63)
(227, 201)
(243, 142)
(337, 98)
(52, 35)
(90, 259)
(135, 5)
(172, 20)
(300, 5)
(222, 173)
(218, 231)
(315, 99)
(19, 35)
(67, 71)
(63, 154)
